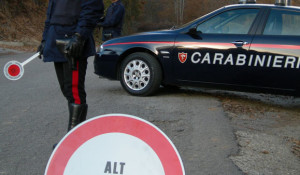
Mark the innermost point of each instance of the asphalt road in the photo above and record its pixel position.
(33, 116)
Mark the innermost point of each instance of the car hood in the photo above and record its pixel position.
(158, 32)
(160, 35)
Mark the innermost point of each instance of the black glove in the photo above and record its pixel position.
(41, 49)
(100, 21)
(74, 48)
(102, 18)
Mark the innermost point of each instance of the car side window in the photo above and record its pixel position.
(237, 21)
(283, 23)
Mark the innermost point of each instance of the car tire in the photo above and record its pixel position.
(140, 74)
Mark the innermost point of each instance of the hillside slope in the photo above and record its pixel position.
(22, 21)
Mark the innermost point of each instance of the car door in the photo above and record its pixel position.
(217, 49)
(277, 48)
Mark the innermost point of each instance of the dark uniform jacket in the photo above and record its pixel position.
(66, 17)
(114, 18)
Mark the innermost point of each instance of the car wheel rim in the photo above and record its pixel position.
(137, 74)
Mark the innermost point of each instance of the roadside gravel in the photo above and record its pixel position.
(267, 128)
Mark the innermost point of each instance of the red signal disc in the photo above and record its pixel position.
(14, 70)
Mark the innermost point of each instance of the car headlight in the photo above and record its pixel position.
(99, 49)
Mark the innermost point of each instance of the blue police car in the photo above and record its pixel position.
(244, 47)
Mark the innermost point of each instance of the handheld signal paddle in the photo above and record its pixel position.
(14, 70)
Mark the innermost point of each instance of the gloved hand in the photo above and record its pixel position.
(41, 49)
(75, 47)
(100, 21)
(102, 18)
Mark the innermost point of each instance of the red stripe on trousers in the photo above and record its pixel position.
(75, 82)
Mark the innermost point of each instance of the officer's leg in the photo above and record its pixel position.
(59, 69)
(75, 93)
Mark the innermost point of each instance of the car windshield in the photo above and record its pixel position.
(193, 21)
(236, 21)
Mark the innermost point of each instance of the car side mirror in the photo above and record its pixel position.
(193, 31)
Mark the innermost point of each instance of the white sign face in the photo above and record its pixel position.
(13, 70)
(119, 154)
(115, 144)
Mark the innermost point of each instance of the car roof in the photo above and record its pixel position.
(262, 5)
(236, 6)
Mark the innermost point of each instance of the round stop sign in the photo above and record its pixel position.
(115, 144)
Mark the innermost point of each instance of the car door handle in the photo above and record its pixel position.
(241, 43)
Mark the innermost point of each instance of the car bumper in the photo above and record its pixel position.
(106, 66)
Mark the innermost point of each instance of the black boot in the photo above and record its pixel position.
(84, 113)
(77, 114)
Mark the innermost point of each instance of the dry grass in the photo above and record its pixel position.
(22, 22)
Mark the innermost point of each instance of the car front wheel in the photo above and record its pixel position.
(141, 74)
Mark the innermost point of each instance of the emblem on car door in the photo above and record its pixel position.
(182, 57)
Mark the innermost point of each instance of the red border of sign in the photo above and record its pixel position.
(116, 123)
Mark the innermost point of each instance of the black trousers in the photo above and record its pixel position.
(72, 81)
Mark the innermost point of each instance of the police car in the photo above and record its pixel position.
(245, 47)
